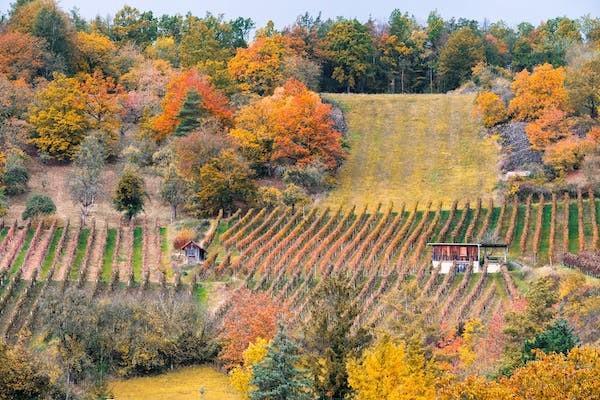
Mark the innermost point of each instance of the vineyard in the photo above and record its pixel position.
(287, 252)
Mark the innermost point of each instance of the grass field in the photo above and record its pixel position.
(184, 384)
(406, 148)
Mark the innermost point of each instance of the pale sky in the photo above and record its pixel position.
(285, 12)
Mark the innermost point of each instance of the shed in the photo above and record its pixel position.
(460, 255)
(193, 252)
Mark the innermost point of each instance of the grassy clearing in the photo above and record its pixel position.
(136, 256)
(165, 251)
(108, 254)
(79, 253)
(573, 227)
(184, 384)
(413, 148)
(18, 262)
(51, 253)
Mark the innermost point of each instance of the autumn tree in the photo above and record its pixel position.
(67, 108)
(347, 47)
(525, 325)
(94, 51)
(462, 51)
(251, 316)
(260, 67)
(164, 48)
(537, 91)
(131, 24)
(22, 56)
(279, 375)
(330, 338)
(213, 102)
(490, 108)
(291, 127)
(386, 370)
(241, 376)
(130, 195)
(550, 127)
(195, 150)
(58, 117)
(567, 154)
(85, 182)
(583, 87)
(224, 181)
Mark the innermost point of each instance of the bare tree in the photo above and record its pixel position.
(86, 179)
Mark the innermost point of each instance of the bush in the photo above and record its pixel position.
(16, 178)
(313, 178)
(38, 205)
(268, 196)
(490, 107)
(294, 195)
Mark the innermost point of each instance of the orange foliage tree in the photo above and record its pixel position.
(182, 237)
(567, 154)
(251, 316)
(490, 108)
(213, 101)
(21, 55)
(260, 67)
(550, 127)
(537, 91)
(293, 126)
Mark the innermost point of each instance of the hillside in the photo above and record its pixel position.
(413, 147)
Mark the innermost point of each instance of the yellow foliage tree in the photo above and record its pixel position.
(260, 67)
(386, 371)
(472, 331)
(241, 376)
(537, 91)
(490, 108)
(95, 51)
(567, 154)
(58, 117)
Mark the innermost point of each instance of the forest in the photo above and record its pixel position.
(313, 164)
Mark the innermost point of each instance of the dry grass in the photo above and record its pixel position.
(406, 148)
(53, 181)
(183, 384)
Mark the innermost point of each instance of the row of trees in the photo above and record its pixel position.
(397, 55)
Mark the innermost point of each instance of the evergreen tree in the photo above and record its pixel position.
(190, 114)
(558, 338)
(277, 376)
(130, 193)
(331, 338)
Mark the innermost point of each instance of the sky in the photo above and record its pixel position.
(284, 12)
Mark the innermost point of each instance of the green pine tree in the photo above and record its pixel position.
(278, 377)
(190, 114)
(130, 193)
(558, 338)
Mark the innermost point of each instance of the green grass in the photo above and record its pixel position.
(165, 251)
(573, 227)
(494, 220)
(18, 261)
(183, 384)
(51, 253)
(407, 148)
(108, 254)
(465, 226)
(3, 233)
(545, 234)
(136, 256)
(519, 224)
(79, 253)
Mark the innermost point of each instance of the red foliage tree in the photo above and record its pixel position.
(251, 316)
(213, 101)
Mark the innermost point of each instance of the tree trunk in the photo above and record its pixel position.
(173, 213)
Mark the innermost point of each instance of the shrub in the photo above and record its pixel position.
(490, 107)
(15, 179)
(313, 178)
(37, 205)
(182, 237)
(269, 196)
(294, 195)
